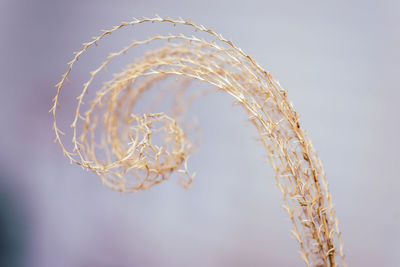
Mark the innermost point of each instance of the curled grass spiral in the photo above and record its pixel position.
(141, 150)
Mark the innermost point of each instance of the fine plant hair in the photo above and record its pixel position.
(120, 146)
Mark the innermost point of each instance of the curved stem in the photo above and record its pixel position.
(127, 140)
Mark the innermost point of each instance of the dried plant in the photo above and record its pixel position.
(124, 153)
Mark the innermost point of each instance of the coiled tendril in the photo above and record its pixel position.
(132, 152)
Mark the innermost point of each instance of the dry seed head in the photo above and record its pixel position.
(136, 151)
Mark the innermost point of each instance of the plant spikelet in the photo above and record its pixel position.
(141, 150)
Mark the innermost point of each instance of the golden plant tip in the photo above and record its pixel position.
(132, 152)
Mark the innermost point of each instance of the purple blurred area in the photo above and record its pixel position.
(339, 61)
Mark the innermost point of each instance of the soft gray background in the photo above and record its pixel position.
(339, 61)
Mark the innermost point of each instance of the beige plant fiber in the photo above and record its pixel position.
(132, 160)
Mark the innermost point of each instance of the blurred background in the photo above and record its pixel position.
(339, 61)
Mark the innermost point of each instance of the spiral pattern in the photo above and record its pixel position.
(136, 151)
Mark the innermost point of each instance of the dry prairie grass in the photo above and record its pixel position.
(133, 161)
